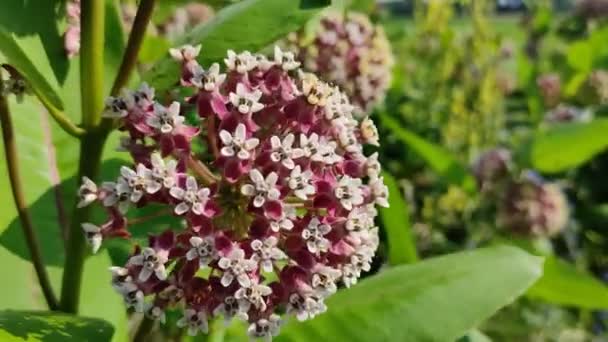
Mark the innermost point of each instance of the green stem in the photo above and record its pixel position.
(91, 144)
(91, 61)
(60, 118)
(55, 112)
(10, 149)
(91, 148)
(136, 38)
(143, 330)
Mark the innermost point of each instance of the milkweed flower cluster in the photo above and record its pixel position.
(351, 52)
(533, 207)
(284, 213)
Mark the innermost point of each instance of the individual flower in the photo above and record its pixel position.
(314, 236)
(87, 193)
(192, 198)
(266, 252)
(241, 63)
(151, 262)
(348, 191)
(166, 120)
(262, 189)
(235, 266)
(351, 52)
(301, 183)
(254, 295)
(185, 53)
(202, 249)
(273, 215)
(93, 235)
(195, 321)
(238, 144)
(246, 101)
(283, 151)
(265, 328)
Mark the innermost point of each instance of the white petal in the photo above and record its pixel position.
(144, 274)
(192, 254)
(177, 193)
(240, 132)
(191, 183)
(256, 176)
(227, 151)
(225, 137)
(227, 279)
(258, 201)
(182, 208)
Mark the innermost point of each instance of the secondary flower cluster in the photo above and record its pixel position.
(526, 204)
(284, 213)
(351, 52)
(533, 207)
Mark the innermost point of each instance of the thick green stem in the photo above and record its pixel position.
(10, 149)
(90, 158)
(91, 61)
(91, 144)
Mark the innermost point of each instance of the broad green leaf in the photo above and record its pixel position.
(52, 327)
(16, 57)
(153, 48)
(580, 55)
(440, 160)
(247, 25)
(475, 336)
(563, 284)
(439, 299)
(396, 223)
(567, 146)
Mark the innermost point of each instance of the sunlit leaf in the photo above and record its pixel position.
(439, 299)
(563, 284)
(17, 326)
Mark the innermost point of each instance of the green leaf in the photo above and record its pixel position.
(563, 284)
(52, 327)
(440, 160)
(439, 299)
(566, 146)
(153, 48)
(16, 57)
(475, 336)
(247, 25)
(396, 223)
(580, 55)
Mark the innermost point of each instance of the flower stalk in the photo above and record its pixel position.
(136, 38)
(91, 145)
(10, 150)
